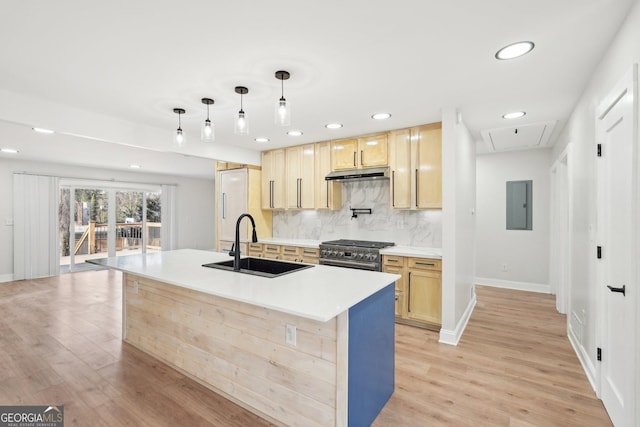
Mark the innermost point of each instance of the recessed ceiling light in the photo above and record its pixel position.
(514, 50)
(333, 126)
(294, 133)
(8, 150)
(135, 166)
(42, 130)
(514, 115)
(381, 116)
(261, 139)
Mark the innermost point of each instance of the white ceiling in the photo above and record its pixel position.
(112, 71)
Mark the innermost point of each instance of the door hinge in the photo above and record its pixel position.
(599, 355)
(599, 150)
(599, 252)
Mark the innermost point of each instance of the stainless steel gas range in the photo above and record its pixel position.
(359, 254)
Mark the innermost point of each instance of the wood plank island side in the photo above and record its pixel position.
(238, 350)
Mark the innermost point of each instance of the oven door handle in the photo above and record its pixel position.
(359, 265)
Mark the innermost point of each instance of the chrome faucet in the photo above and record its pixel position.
(235, 249)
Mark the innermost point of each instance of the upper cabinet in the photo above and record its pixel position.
(300, 177)
(401, 164)
(328, 193)
(415, 159)
(429, 166)
(362, 152)
(273, 179)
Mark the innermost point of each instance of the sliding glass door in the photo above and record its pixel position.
(106, 222)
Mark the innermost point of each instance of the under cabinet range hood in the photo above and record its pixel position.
(358, 174)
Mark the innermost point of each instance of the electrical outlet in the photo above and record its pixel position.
(135, 286)
(504, 267)
(290, 333)
(8, 221)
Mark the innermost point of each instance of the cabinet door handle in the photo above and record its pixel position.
(224, 216)
(327, 193)
(409, 295)
(428, 264)
(361, 157)
(621, 290)
(299, 192)
(273, 189)
(417, 188)
(393, 188)
(354, 159)
(391, 260)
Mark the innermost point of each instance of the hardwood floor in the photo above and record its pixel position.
(60, 344)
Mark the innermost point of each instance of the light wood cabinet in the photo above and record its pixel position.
(290, 253)
(415, 160)
(271, 251)
(418, 292)
(401, 165)
(255, 250)
(273, 179)
(429, 167)
(364, 152)
(310, 255)
(424, 291)
(373, 151)
(300, 176)
(328, 193)
(344, 154)
(395, 265)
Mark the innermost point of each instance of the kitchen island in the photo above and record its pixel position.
(313, 347)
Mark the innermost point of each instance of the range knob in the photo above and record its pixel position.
(334, 253)
(340, 254)
(360, 255)
(323, 252)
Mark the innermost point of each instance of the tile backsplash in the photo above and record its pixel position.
(412, 228)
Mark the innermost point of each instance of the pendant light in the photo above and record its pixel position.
(207, 133)
(283, 109)
(179, 138)
(242, 125)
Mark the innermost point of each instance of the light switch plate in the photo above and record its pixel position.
(8, 221)
(290, 333)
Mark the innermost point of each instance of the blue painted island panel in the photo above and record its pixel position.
(371, 356)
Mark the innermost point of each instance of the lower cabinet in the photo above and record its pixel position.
(288, 253)
(271, 251)
(419, 291)
(255, 250)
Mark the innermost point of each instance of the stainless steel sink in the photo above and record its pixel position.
(260, 266)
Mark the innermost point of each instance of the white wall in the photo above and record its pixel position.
(525, 252)
(580, 131)
(458, 225)
(194, 198)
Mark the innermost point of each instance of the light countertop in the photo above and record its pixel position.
(410, 251)
(318, 293)
(413, 251)
(302, 243)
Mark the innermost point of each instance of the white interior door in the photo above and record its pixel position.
(617, 197)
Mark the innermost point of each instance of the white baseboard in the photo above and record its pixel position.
(508, 284)
(584, 359)
(452, 337)
(6, 278)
